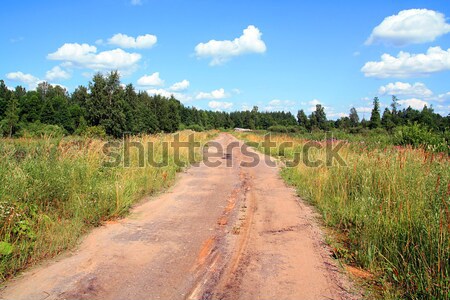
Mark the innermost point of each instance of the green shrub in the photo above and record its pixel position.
(420, 136)
(94, 132)
(38, 129)
(278, 128)
(196, 127)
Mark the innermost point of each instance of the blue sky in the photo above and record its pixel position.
(278, 55)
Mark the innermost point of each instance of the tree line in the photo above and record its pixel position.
(106, 107)
(391, 118)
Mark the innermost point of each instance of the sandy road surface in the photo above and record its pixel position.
(227, 232)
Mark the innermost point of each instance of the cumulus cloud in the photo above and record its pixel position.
(140, 42)
(363, 109)
(216, 94)
(443, 97)
(312, 104)
(180, 86)
(398, 88)
(150, 80)
(222, 51)
(27, 79)
(57, 73)
(409, 65)
(414, 103)
(412, 26)
(219, 105)
(280, 105)
(165, 93)
(337, 115)
(22, 77)
(86, 56)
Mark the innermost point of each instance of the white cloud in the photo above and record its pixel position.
(140, 42)
(398, 88)
(337, 115)
(443, 110)
(414, 103)
(22, 77)
(236, 91)
(216, 94)
(150, 80)
(86, 56)
(180, 86)
(60, 85)
(443, 97)
(412, 26)
(218, 105)
(28, 79)
(363, 109)
(165, 93)
(245, 107)
(222, 51)
(409, 65)
(57, 73)
(136, 2)
(280, 105)
(312, 104)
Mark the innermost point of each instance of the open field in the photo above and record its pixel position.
(390, 206)
(54, 190)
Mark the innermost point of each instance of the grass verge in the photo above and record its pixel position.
(54, 190)
(390, 206)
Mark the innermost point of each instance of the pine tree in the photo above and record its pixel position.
(12, 115)
(375, 118)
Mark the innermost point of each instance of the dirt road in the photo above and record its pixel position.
(220, 233)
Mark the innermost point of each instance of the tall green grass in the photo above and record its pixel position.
(54, 190)
(391, 203)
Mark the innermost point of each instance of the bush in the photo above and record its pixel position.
(38, 129)
(278, 128)
(420, 136)
(196, 127)
(94, 132)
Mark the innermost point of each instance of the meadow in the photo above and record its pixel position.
(53, 190)
(388, 209)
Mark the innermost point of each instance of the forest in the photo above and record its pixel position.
(106, 107)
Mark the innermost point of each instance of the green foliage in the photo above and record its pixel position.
(195, 127)
(419, 136)
(5, 248)
(318, 118)
(121, 110)
(353, 117)
(94, 132)
(284, 129)
(11, 120)
(302, 119)
(38, 129)
(375, 118)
